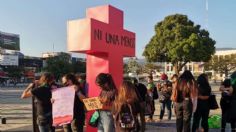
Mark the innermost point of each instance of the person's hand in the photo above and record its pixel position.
(31, 85)
(52, 100)
(76, 88)
(53, 87)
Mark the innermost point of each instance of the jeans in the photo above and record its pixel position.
(202, 114)
(75, 126)
(166, 104)
(106, 122)
(183, 115)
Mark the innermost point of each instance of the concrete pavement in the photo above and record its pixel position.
(19, 113)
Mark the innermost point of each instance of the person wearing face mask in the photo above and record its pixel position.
(78, 121)
(81, 78)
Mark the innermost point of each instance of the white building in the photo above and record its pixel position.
(195, 67)
(222, 52)
(198, 67)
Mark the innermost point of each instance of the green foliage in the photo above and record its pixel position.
(222, 64)
(133, 66)
(178, 40)
(59, 65)
(150, 67)
(79, 67)
(14, 71)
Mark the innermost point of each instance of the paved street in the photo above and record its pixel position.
(15, 110)
(19, 113)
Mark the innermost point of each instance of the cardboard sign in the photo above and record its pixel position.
(63, 106)
(92, 103)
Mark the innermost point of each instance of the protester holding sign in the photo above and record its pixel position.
(77, 123)
(43, 94)
(107, 97)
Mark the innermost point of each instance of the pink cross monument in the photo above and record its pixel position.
(102, 37)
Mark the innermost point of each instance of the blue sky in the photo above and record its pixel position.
(42, 23)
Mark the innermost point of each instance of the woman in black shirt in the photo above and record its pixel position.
(202, 111)
(42, 92)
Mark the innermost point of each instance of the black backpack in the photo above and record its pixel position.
(126, 118)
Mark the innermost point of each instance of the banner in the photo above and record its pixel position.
(92, 103)
(9, 41)
(9, 60)
(63, 105)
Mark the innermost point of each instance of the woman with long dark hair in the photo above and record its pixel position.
(202, 111)
(126, 97)
(107, 97)
(184, 92)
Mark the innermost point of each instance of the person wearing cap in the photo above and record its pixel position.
(165, 90)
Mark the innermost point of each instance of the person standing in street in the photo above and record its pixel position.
(183, 93)
(42, 93)
(126, 109)
(141, 92)
(77, 124)
(225, 103)
(149, 97)
(165, 91)
(202, 111)
(232, 108)
(106, 97)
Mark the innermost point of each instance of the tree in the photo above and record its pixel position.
(222, 64)
(150, 68)
(179, 41)
(125, 68)
(79, 67)
(59, 65)
(14, 71)
(133, 66)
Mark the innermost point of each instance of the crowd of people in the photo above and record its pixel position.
(124, 108)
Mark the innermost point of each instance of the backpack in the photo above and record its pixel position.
(126, 118)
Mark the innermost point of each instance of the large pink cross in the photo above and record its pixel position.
(102, 37)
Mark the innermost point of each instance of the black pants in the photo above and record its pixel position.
(166, 104)
(225, 111)
(153, 109)
(183, 115)
(202, 114)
